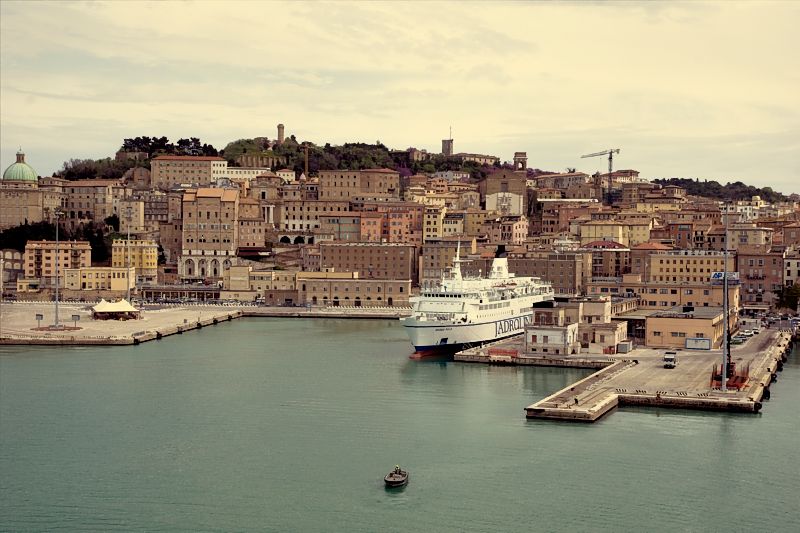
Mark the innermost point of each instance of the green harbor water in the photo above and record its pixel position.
(290, 425)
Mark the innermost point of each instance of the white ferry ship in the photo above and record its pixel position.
(461, 311)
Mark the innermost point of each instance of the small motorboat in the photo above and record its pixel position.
(396, 478)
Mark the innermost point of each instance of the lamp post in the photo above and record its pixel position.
(57, 213)
(2, 290)
(725, 303)
(128, 257)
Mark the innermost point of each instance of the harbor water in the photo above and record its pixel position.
(291, 424)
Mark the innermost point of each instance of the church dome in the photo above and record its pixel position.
(20, 171)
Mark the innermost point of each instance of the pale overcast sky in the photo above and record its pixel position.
(706, 90)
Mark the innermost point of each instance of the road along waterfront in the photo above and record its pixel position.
(290, 424)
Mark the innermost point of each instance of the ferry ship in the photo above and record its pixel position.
(461, 312)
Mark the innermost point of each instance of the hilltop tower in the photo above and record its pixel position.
(447, 147)
(520, 160)
(280, 134)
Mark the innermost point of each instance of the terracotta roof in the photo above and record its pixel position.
(188, 158)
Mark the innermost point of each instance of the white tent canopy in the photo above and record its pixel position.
(122, 306)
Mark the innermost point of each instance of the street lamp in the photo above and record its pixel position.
(128, 256)
(58, 212)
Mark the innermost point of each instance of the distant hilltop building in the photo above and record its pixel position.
(447, 147)
(20, 172)
(24, 198)
(520, 160)
(280, 134)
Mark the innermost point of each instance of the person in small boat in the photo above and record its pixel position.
(396, 469)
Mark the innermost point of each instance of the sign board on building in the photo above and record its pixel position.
(718, 278)
(698, 343)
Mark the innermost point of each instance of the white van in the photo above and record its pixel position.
(670, 359)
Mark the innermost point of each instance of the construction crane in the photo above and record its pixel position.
(610, 153)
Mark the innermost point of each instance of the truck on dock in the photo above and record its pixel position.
(670, 359)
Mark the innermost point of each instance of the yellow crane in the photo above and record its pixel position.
(610, 153)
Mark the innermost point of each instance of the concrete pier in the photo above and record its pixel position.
(639, 378)
(645, 382)
(18, 325)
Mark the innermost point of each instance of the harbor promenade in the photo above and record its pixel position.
(18, 323)
(639, 378)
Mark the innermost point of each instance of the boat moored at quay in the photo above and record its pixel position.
(461, 312)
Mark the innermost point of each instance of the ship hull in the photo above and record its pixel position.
(443, 337)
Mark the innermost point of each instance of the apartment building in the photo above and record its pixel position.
(344, 184)
(568, 272)
(760, 274)
(506, 230)
(210, 232)
(687, 266)
(167, 171)
(252, 227)
(349, 289)
(118, 279)
(92, 200)
(142, 255)
(370, 260)
(40, 259)
(663, 295)
(436, 256)
(433, 227)
(741, 235)
(303, 215)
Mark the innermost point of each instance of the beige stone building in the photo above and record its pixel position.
(142, 255)
(348, 289)
(303, 215)
(345, 184)
(433, 223)
(437, 256)
(40, 259)
(665, 295)
(252, 227)
(92, 200)
(568, 272)
(118, 279)
(687, 266)
(24, 197)
(210, 233)
(371, 260)
(671, 328)
(166, 171)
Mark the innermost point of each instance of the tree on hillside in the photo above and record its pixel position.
(728, 192)
(788, 297)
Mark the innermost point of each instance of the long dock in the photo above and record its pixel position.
(640, 379)
(19, 326)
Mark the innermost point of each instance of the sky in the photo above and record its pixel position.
(707, 90)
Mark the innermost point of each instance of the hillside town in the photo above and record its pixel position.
(627, 258)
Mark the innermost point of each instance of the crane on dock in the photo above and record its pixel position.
(610, 153)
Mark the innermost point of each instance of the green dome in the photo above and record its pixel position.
(20, 171)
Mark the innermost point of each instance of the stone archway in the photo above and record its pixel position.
(299, 240)
(214, 268)
(286, 240)
(188, 267)
(201, 268)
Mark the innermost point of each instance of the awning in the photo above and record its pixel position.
(122, 306)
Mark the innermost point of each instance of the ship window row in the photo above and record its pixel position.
(497, 305)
